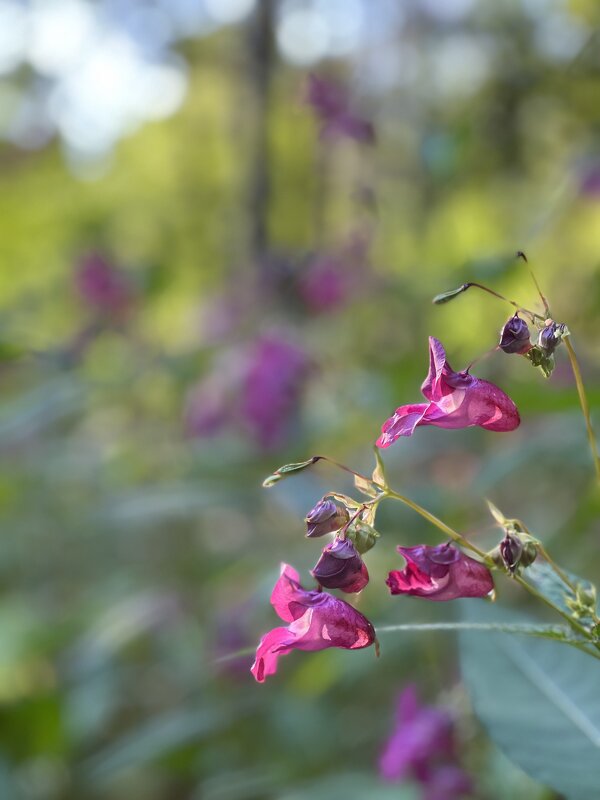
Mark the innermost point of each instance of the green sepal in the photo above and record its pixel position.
(362, 536)
(445, 297)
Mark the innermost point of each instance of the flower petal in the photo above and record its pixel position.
(402, 423)
(273, 644)
(288, 595)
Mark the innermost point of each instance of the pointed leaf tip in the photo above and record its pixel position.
(288, 469)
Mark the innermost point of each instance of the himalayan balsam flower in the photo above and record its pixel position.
(317, 621)
(331, 104)
(442, 572)
(456, 400)
(341, 567)
(326, 517)
(422, 747)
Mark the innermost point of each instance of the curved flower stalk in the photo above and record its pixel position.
(456, 400)
(317, 621)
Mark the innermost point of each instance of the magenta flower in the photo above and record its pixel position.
(317, 621)
(422, 747)
(331, 104)
(421, 734)
(341, 567)
(442, 572)
(456, 400)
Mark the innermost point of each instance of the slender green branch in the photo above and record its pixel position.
(584, 404)
(446, 529)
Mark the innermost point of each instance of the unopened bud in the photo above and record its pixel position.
(341, 567)
(326, 517)
(551, 335)
(511, 550)
(514, 337)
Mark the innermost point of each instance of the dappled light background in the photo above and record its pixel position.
(221, 226)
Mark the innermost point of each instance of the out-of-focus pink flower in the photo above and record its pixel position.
(442, 572)
(456, 400)
(330, 280)
(420, 747)
(331, 104)
(421, 733)
(208, 406)
(589, 183)
(341, 567)
(317, 621)
(275, 375)
(103, 287)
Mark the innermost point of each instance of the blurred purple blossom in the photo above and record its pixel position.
(331, 104)
(422, 747)
(103, 287)
(256, 388)
(590, 181)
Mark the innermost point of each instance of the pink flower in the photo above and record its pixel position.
(317, 621)
(456, 400)
(442, 572)
(331, 104)
(422, 747)
(341, 567)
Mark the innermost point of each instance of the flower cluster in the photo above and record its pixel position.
(432, 572)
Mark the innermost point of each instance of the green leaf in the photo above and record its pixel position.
(288, 469)
(548, 583)
(539, 702)
(445, 297)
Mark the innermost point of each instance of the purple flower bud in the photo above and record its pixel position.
(511, 549)
(341, 567)
(514, 337)
(551, 336)
(325, 517)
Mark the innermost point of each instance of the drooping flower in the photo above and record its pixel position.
(422, 747)
(327, 516)
(514, 337)
(456, 400)
(341, 567)
(442, 572)
(317, 621)
(331, 104)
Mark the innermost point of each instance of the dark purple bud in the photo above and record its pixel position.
(511, 550)
(514, 337)
(325, 517)
(550, 336)
(341, 567)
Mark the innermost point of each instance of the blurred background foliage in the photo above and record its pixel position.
(198, 284)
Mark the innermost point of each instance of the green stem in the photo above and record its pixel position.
(584, 403)
(448, 531)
